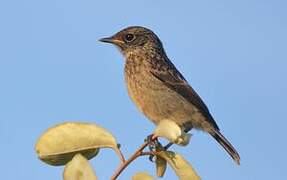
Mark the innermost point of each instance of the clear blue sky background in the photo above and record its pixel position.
(53, 69)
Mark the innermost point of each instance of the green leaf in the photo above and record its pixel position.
(79, 169)
(181, 167)
(142, 176)
(160, 166)
(172, 132)
(59, 144)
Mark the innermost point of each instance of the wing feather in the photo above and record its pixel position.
(173, 79)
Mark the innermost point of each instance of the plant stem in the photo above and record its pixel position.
(139, 152)
(120, 154)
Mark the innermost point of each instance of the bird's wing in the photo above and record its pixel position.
(173, 79)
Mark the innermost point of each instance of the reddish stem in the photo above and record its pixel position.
(139, 152)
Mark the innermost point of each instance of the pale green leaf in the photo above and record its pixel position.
(59, 144)
(181, 167)
(142, 176)
(160, 166)
(79, 169)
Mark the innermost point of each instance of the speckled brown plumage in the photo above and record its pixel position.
(158, 89)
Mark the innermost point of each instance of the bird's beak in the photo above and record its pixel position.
(111, 40)
(107, 40)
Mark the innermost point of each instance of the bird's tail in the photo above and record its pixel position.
(226, 145)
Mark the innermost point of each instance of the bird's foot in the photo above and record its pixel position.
(152, 142)
(153, 145)
(150, 138)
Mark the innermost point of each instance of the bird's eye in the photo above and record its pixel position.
(129, 37)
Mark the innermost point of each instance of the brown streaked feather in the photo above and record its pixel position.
(173, 79)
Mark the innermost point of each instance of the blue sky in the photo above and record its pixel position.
(53, 69)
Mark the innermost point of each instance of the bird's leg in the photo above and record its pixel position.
(168, 146)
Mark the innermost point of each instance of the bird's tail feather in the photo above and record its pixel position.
(226, 145)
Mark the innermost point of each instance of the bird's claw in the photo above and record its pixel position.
(150, 138)
(153, 145)
(151, 158)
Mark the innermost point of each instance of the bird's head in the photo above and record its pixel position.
(134, 39)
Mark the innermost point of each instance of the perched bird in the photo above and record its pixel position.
(158, 89)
